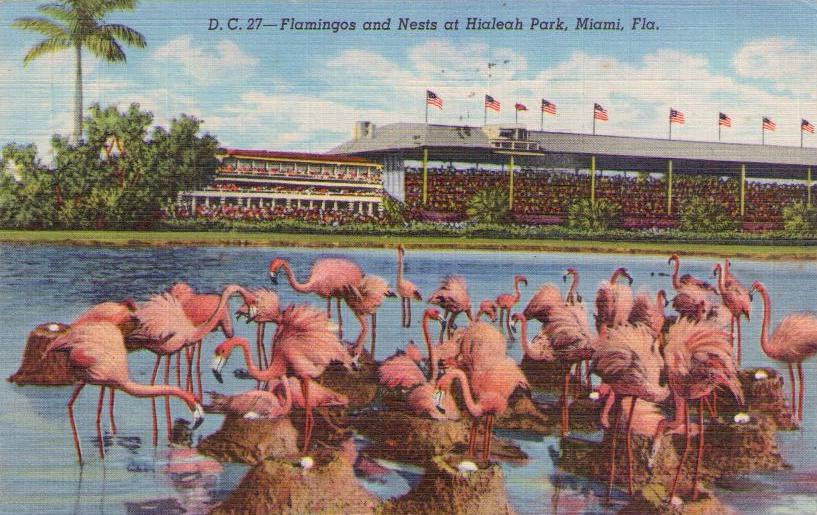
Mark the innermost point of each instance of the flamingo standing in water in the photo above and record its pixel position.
(373, 289)
(330, 278)
(699, 359)
(166, 330)
(792, 342)
(305, 343)
(486, 395)
(405, 289)
(452, 296)
(97, 355)
(473, 348)
(506, 301)
(690, 292)
(649, 313)
(265, 309)
(629, 362)
(614, 301)
(736, 299)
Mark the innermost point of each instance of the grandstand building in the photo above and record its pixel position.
(260, 180)
(436, 168)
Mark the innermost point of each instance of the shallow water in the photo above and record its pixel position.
(54, 283)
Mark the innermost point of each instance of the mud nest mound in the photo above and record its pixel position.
(731, 448)
(242, 440)
(765, 394)
(524, 414)
(544, 375)
(34, 370)
(652, 500)
(360, 385)
(445, 490)
(276, 486)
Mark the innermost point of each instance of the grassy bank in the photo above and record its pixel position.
(125, 238)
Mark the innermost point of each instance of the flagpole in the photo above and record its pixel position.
(762, 133)
(515, 115)
(426, 108)
(670, 125)
(801, 134)
(541, 119)
(485, 114)
(594, 120)
(719, 128)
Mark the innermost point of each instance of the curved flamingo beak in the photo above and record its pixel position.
(564, 276)
(629, 278)
(439, 395)
(273, 277)
(198, 416)
(218, 366)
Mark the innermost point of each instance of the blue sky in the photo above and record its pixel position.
(303, 90)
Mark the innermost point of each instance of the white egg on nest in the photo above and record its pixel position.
(594, 396)
(761, 374)
(742, 418)
(466, 467)
(306, 462)
(53, 327)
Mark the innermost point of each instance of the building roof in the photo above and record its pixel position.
(471, 144)
(295, 156)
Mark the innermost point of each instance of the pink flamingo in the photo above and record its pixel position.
(329, 278)
(649, 313)
(566, 337)
(629, 362)
(488, 308)
(543, 302)
(405, 289)
(792, 342)
(698, 360)
(305, 343)
(167, 329)
(372, 290)
(452, 296)
(253, 404)
(97, 355)
(492, 386)
(265, 309)
(614, 301)
(506, 301)
(689, 291)
(736, 299)
(473, 348)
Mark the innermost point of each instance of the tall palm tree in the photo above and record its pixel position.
(80, 24)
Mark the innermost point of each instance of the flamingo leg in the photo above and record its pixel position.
(700, 449)
(99, 405)
(732, 334)
(739, 339)
(258, 345)
(588, 372)
(264, 347)
(71, 401)
(374, 332)
(179, 369)
(110, 410)
(630, 447)
(802, 392)
(329, 308)
(686, 451)
(448, 328)
(153, 401)
(167, 397)
(408, 312)
(197, 352)
(189, 355)
(472, 438)
(486, 445)
(613, 454)
(508, 324)
(565, 408)
(793, 392)
(402, 312)
(308, 413)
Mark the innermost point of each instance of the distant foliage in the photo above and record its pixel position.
(798, 218)
(394, 209)
(488, 206)
(707, 216)
(584, 215)
(118, 178)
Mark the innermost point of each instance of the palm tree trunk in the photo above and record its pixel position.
(78, 96)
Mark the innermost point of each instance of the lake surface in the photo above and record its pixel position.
(43, 283)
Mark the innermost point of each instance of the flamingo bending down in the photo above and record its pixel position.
(699, 359)
(488, 308)
(629, 362)
(473, 348)
(506, 301)
(253, 404)
(792, 342)
(649, 313)
(614, 301)
(690, 292)
(405, 289)
(492, 387)
(97, 355)
(305, 343)
(330, 278)
(166, 330)
(373, 290)
(452, 296)
(265, 309)
(736, 299)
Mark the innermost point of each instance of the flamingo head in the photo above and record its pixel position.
(716, 269)
(274, 266)
(400, 248)
(198, 416)
(489, 308)
(521, 279)
(222, 354)
(756, 286)
(621, 271)
(261, 305)
(662, 296)
(569, 272)
(672, 258)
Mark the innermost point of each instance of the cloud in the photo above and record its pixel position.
(787, 64)
(224, 61)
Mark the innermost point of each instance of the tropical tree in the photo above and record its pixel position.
(593, 216)
(488, 206)
(78, 25)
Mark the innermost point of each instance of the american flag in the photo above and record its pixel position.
(806, 125)
(676, 116)
(433, 100)
(520, 107)
(724, 120)
(548, 107)
(492, 104)
(599, 113)
(768, 124)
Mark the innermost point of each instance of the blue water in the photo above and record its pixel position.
(43, 283)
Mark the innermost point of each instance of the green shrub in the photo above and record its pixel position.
(394, 210)
(583, 215)
(798, 218)
(488, 206)
(706, 216)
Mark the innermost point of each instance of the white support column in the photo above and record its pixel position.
(193, 203)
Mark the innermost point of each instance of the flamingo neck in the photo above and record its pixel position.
(721, 281)
(614, 277)
(523, 337)
(676, 283)
(157, 390)
(571, 293)
(516, 293)
(399, 266)
(432, 362)
(273, 371)
(474, 408)
(299, 287)
(764, 327)
(364, 331)
(215, 317)
(287, 395)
